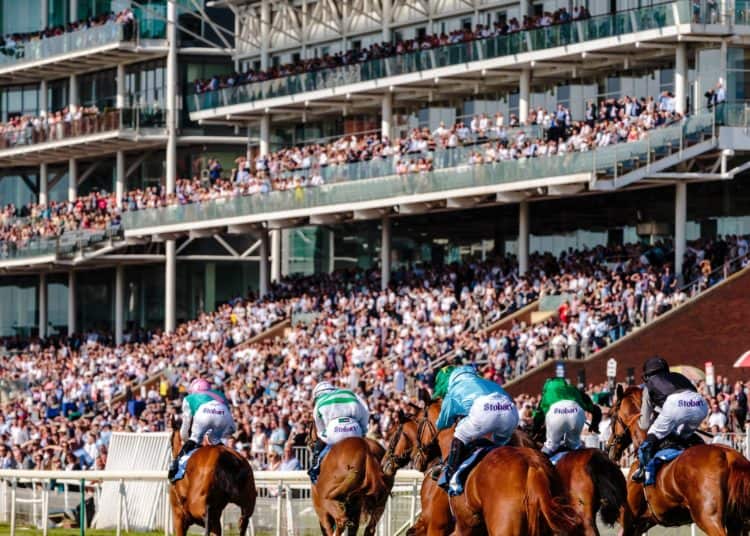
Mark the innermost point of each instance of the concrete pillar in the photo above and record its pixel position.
(171, 105)
(120, 102)
(386, 115)
(72, 179)
(43, 183)
(43, 90)
(73, 11)
(524, 95)
(680, 226)
(120, 176)
(42, 305)
(680, 77)
(265, 135)
(387, 10)
(119, 302)
(265, 33)
(170, 286)
(209, 288)
(523, 9)
(263, 281)
(73, 92)
(523, 237)
(72, 328)
(331, 251)
(385, 252)
(275, 255)
(44, 7)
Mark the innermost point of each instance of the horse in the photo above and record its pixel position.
(214, 477)
(706, 484)
(351, 486)
(595, 484)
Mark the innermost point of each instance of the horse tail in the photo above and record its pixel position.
(374, 475)
(559, 514)
(610, 484)
(739, 488)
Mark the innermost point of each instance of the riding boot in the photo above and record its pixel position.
(646, 452)
(314, 470)
(187, 447)
(455, 457)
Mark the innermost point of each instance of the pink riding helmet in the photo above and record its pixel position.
(198, 386)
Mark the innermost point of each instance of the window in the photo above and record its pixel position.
(466, 23)
(421, 33)
(98, 89)
(144, 84)
(501, 17)
(19, 100)
(538, 10)
(357, 45)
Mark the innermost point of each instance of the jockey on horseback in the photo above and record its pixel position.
(561, 410)
(487, 408)
(204, 412)
(339, 414)
(680, 408)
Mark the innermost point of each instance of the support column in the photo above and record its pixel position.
(43, 183)
(171, 105)
(72, 179)
(119, 302)
(44, 7)
(170, 286)
(331, 251)
(680, 77)
(263, 281)
(120, 102)
(72, 328)
(265, 135)
(524, 10)
(680, 227)
(120, 177)
(42, 305)
(209, 288)
(73, 92)
(386, 116)
(265, 33)
(523, 237)
(385, 252)
(73, 11)
(275, 255)
(43, 90)
(387, 10)
(524, 95)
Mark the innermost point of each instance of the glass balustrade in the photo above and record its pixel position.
(344, 188)
(599, 27)
(40, 49)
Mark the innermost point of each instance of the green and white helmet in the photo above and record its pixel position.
(323, 388)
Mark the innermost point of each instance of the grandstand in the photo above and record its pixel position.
(265, 193)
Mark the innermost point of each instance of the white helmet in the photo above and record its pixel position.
(322, 388)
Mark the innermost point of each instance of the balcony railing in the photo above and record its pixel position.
(599, 27)
(59, 129)
(40, 49)
(64, 244)
(610, 161)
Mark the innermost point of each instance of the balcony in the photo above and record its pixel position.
(91, 49)
(480, 60)
(356, 193)
(90, 136)
(69, 245)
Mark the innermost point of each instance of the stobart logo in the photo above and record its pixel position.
(498, 406)
(344, 429)
(565, 411)
(690, 403)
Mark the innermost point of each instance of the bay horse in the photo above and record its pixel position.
(214, 477)
(706, 484)
(351, 486)
(595, 485)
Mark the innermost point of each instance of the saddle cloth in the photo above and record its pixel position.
(456, 484)
(662, 458)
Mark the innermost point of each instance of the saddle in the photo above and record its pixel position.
(479, 449)
(669, 449)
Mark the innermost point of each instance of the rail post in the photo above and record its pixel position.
(82, 513)
(13, 507)
(45, 508)
(278, 509)
(747, 441)
(120, 491)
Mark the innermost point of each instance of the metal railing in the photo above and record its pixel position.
(574, 32)
(64, 244)
(39, 49)
(283, 505)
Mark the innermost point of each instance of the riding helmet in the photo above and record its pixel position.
(655, 365)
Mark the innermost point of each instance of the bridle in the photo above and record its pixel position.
(622, 440)
(390, 454)
(422, 447)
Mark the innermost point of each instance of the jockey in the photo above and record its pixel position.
(205, 412)
(680, 408)
(487, 409)
(561, 409)
(339, 414)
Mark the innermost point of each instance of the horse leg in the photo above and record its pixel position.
(178, 524)
(710, 523)
(335, 510)
(375, 514)
(215, 522)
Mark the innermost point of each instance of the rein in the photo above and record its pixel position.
(390, 453)
(422, 447)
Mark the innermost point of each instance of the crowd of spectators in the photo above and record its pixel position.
(55, 126)
(14, 44)
(387, 49)
(69, 395)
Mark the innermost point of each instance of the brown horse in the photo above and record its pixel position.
(513, 491)
(707, 484)
(351, 486)
(214, 477)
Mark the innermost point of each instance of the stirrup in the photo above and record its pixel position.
(436, 472)
(639, 476)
